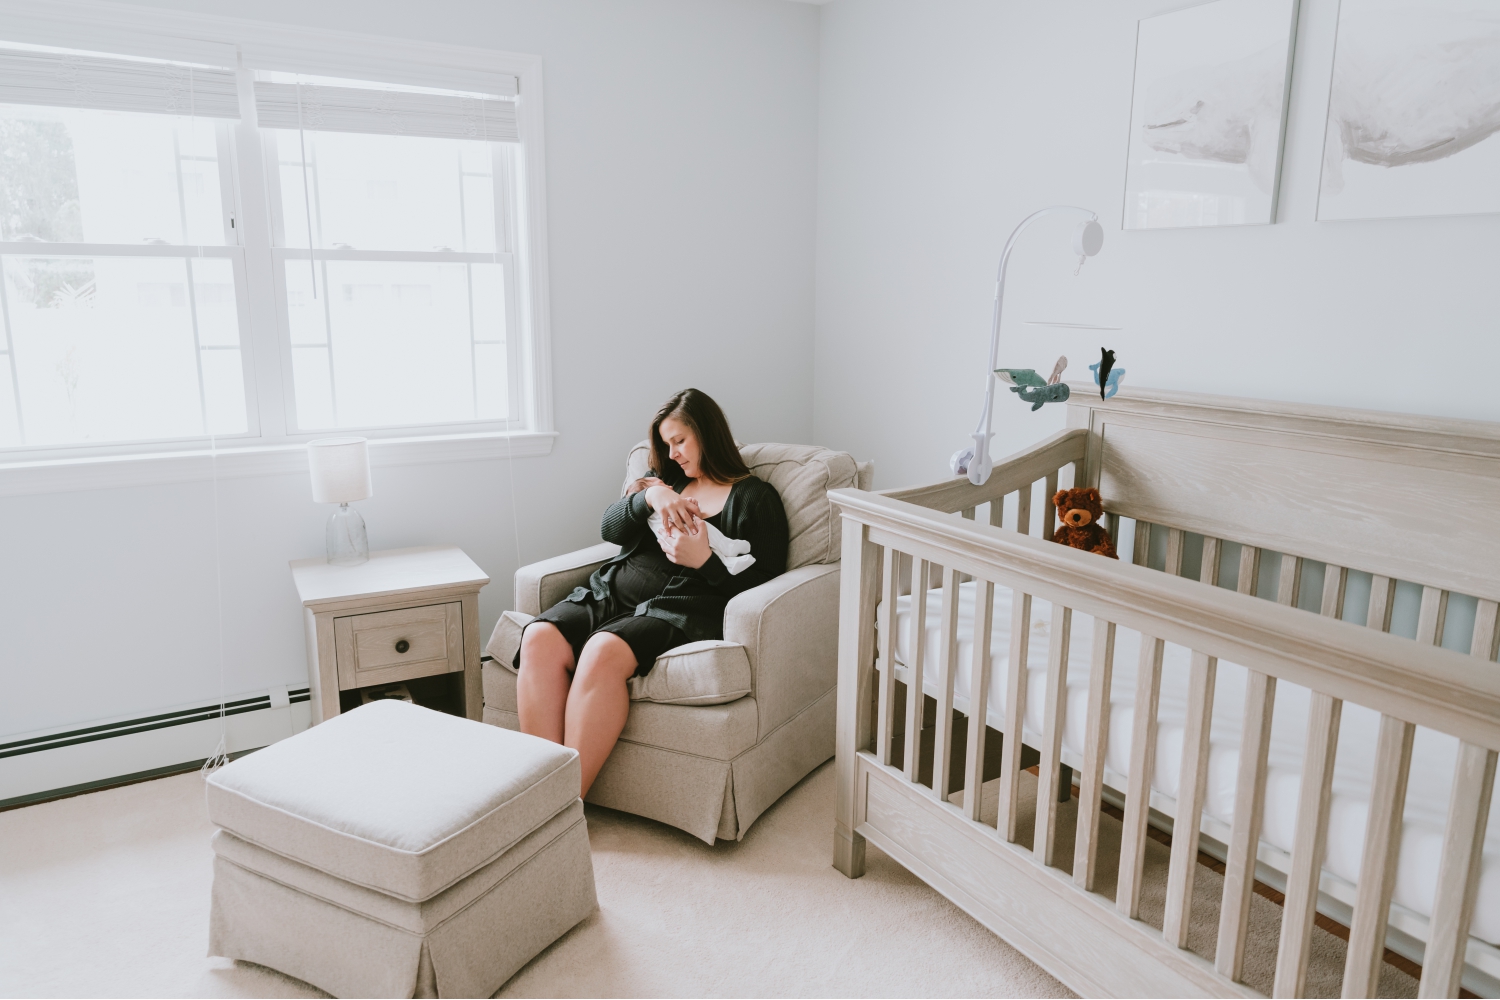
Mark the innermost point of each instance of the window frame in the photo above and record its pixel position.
(273, 443)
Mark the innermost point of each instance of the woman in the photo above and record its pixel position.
(577, 656)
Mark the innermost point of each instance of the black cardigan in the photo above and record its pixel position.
(694, 599)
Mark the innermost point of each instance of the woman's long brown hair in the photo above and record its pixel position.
(720, 460)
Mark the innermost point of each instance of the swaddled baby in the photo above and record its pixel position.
(734, 553)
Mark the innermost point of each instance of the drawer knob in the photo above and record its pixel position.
(402, 645)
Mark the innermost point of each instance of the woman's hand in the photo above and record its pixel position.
(678, 513)
(687, 548)
(644, 483)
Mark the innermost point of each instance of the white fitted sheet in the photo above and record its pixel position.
(1427, 794)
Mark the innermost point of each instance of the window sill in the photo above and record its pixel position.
(148, 469)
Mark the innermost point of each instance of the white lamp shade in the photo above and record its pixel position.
(340, 469)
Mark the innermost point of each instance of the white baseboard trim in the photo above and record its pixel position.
(41, 766)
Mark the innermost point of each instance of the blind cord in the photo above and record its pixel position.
(220, 755)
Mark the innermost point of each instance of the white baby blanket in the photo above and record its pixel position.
(734, 553)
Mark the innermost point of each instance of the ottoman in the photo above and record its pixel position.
(394, 851)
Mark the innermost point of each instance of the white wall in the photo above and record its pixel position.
(681, 180)
(944, 124)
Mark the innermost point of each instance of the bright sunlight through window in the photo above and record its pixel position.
(138, 307)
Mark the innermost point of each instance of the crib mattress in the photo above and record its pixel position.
(1433, 753)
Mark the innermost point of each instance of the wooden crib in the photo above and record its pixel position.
(1387, 504)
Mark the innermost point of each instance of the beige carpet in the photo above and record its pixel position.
(107, 895)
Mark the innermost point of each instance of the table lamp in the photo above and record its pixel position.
(341, 474)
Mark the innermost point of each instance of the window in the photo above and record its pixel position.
(392, 249)
(169, 273)
(118, 280)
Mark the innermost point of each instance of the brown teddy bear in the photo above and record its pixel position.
(1082, 513)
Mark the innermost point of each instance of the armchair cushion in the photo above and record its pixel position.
(803, 474)
(505, 641)
(698, 673)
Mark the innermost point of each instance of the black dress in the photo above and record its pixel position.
(654, 604)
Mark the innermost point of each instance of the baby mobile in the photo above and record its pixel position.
(975, 461)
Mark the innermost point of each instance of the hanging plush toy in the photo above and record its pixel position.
(1032, 388)
(1082, 515)
(1106, 375)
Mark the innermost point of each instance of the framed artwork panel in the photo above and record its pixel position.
(1208, 115)
(1413, 110)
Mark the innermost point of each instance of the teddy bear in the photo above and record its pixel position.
(1081, 513)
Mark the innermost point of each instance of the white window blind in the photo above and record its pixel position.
(101, 83)
(324, 108)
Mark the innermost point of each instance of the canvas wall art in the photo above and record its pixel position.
(1208, 114)
(1413, 110)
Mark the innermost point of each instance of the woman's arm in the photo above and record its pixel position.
(625, 519)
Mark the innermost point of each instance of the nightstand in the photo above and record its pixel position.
(406, 613)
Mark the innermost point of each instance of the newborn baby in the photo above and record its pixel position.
(734, 553)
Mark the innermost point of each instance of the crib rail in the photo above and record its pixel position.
(1410, 684)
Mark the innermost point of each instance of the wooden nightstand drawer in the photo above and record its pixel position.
(388, 646)
(357, 617)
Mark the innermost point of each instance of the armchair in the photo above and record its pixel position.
(712, 766)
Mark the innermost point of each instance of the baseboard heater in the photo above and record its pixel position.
(56, 764)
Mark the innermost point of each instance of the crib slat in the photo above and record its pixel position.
(1096, 746)
(1175, 539)
(1049, 769)
(1289, 587)
(1486, 630)
(1141, 550)
(1486, 637)
(968, 513)
(1335, 581)
(942, 741)
(1458, 872)
(1309, 845)
(1023, 510)
(1208, 569)
(1382, 602)
(979, 700)
(1015, 715)
(912, 756)
(1249, 575)
(1049, 506)
(1192, 787)
(1377, 871)
(1112, 525)
(1249, 808)
(1142, 767)
(885, 722)
(997, 512)
(1432, 616)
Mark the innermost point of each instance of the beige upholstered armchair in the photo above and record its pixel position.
(718, 731)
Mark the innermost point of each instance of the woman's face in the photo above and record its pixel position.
(682, 446)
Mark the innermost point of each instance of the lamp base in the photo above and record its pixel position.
(347, 543)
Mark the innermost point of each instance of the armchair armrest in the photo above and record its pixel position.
(789, 626)
(542, 584)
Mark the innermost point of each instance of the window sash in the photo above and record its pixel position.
(187, 254)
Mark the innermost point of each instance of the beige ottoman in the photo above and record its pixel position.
(395, 851)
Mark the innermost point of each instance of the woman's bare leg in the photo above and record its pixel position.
(542, 687)
(598, 701)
